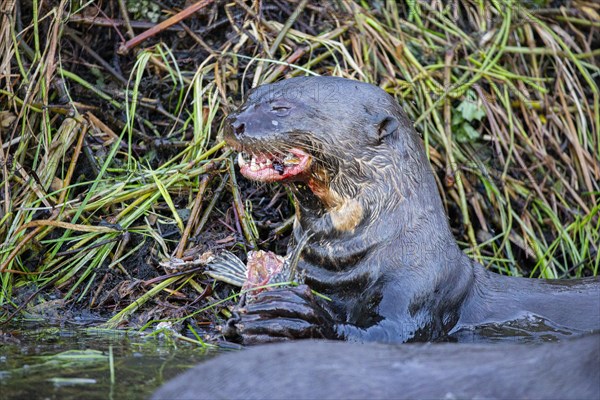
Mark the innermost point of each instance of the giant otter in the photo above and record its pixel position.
(380, 246)
(338, 370)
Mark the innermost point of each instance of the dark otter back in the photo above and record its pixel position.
(340, 370)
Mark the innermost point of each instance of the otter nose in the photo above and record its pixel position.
(253, 121)
(238, 127)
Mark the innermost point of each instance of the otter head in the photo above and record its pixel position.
(355, 164)
(336, 135)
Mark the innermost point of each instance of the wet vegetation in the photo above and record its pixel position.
(115, 186)
(54, 363)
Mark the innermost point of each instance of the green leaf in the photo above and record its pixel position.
(471, 110)
(466, 133)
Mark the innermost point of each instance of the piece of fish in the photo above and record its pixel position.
(263, 268)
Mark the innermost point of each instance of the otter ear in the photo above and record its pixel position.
(386, 127)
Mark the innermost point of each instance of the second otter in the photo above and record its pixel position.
(381, 248)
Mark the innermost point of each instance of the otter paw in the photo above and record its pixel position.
(281, 314)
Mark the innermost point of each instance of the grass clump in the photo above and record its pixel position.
(112, 166)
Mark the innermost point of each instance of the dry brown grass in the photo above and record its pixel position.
(102, 154)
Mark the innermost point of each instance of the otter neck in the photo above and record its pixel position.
(337, 239)
(327, 214)
(343, 229)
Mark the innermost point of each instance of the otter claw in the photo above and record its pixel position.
(282, 314)
(233, 328)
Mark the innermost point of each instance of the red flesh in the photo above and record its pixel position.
(270, 174)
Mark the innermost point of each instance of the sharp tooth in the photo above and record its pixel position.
(253, 165)
(269, 162)
(290, 158)
(240, 160)
(291, 161)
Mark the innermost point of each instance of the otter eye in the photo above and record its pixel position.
(281, 108)
(281, 111)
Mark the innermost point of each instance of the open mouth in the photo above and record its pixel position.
(273, 168)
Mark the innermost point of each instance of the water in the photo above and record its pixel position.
(73, 363)
(529, 329)
(65, 363)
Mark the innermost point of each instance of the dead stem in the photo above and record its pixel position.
(504, 96)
